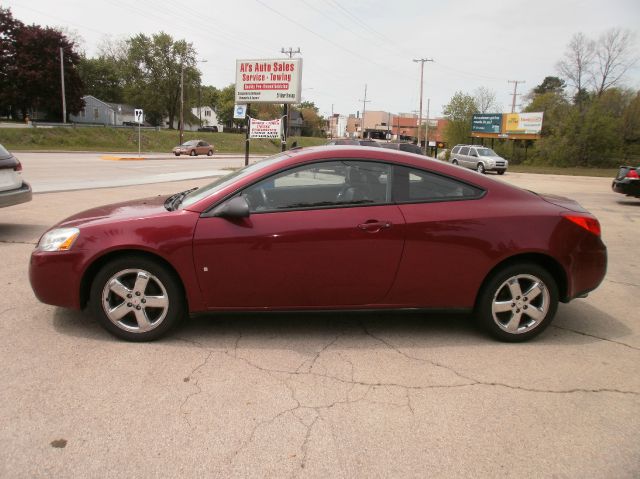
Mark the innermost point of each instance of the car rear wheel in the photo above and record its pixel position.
(137, 299)
(210, 153)
(480, 168)
(454, 162)
(193, 153)
(517, 302)
(177, 154)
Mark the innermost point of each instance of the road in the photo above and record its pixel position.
(299, 395)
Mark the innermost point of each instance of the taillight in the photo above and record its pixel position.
(632, 174)
(592, 225)
(18, 167)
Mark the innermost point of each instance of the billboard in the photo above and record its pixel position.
(269, 80)
(486, 123)
(523, 123)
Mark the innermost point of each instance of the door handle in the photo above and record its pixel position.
(373, 226)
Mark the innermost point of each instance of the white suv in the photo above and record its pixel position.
(478, 158)
(12, 189)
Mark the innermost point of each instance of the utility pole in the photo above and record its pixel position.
(331, 123)
(291, 52)
(515, 94)
(426, 131)
(181, 102)
(364, 109)
(421, 61)
(64, 99)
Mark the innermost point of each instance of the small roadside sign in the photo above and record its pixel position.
(138, 115)
(239, 112)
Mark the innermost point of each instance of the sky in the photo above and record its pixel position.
(348, 44)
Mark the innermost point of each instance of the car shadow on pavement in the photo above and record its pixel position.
(21, 233)
(575, 324)
(635, 202)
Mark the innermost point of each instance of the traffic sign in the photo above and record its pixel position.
(239, 112)
(139, 115)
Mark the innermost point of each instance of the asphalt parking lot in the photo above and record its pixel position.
(324, 395)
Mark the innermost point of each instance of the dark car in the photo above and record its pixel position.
(627, 181)
(352, 142)
(326, 228)
(405, 146)
(211, 129)
(194, 148)
(13, 190)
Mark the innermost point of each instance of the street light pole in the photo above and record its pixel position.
(64, 99)
(181, 102)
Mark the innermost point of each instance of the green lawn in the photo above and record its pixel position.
(557, 170)
(121, 139)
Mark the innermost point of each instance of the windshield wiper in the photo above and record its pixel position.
(174, 201)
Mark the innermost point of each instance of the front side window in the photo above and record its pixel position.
(486, 152)
(413, 185)
(321, 185)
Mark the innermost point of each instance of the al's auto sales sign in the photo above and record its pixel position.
(268, 81)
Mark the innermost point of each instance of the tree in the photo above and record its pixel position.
(152, 75)
(577, 63)
(222, 102)
(614, 56)
(459, 111)
(102, 78)
(485, 100)
(550, 84)
(8, 41)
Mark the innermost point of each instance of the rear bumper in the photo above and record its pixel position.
(17, 196)
(627, 186)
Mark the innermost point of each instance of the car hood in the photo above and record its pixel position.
(134, 209)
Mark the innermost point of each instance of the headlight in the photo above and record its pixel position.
(60, 239)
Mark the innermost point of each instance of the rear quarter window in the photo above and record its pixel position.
(413, 185)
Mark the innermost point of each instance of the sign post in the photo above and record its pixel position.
(139, 116)
(246, 141)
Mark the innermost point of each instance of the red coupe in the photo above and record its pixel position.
(326, 228)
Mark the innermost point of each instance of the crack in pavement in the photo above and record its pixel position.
(596, 337)
(185, 414)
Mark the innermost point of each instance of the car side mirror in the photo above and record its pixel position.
(235, 208)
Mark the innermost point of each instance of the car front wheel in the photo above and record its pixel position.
(480, 168)
(193, 153)
(137, 299)
(210, 153)
(501, 172)
(517, 302)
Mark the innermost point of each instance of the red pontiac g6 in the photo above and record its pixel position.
(326, 228)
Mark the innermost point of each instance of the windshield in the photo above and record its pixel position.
(226, 180)
(486, 152)
(189, 143)
(4, 153)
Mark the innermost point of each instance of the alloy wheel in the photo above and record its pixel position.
(520, 304)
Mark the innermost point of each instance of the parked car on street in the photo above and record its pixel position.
(627, 181)
(211, 129)
(194, 148)
(478, 158)
(326, 228)
(13, 189)
(404, 146)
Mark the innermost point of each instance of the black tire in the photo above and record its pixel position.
(177, 154)
(193, 153)
(210, 153)
(501, 172)
(480, 168)
(161, 285)
(514, 323)
(454, 162)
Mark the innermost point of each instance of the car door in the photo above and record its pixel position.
(202, 148)
(312, 240)
(444, 258)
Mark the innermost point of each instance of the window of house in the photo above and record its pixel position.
(207, 113)
(96, 114)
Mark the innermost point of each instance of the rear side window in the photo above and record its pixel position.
(464, 150)
(413, 185)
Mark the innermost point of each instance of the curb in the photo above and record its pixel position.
(123, 158)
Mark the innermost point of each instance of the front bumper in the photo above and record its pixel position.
(55, 277)
(17, 196)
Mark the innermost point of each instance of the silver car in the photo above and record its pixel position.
(13, 190)
(478, 158)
